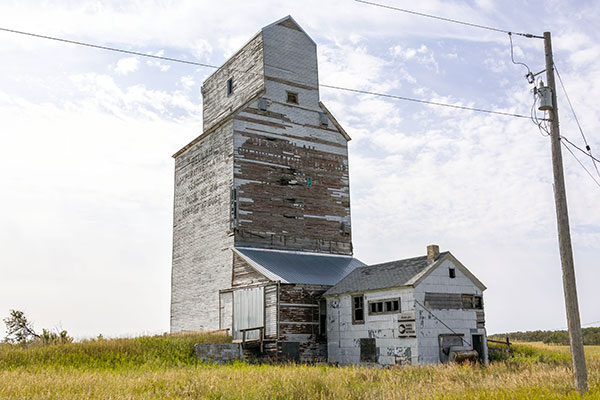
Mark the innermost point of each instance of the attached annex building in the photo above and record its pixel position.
(261, 218)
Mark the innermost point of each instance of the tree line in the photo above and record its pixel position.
(591, 336)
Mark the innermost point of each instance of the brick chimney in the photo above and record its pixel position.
(433, 252)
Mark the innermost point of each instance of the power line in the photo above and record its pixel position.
(425, 101)
(529, 35)
(216, 67)
(587, 146)
(135, 53)
(580, 163)
(580, 149)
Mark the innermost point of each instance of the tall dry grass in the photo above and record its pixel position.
(532, 374)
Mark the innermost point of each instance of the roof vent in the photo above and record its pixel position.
(262, 104)
(433, 252)
(323, 118)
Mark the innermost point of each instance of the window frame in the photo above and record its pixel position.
(356, 321)
(230, 86)
(292, 95)
(383, 307)
(452, 273)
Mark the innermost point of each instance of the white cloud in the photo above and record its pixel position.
(127, 65)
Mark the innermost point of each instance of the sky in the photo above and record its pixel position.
(86, 174)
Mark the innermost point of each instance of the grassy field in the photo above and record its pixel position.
(163, 367)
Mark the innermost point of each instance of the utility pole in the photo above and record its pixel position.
(564, 236)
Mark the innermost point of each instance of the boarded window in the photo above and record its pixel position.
(472, 302)
(291, 351)
(453, 301)
(441, 301)
(358, 309)
(368, 350)
(292, 97)
(387, 306)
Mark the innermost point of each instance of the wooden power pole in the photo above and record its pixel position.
(564, 236)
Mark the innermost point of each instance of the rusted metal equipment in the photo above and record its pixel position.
(461, 356)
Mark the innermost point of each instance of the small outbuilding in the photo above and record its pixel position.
(421, 310)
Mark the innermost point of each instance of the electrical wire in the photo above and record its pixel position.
(529, 35)
(246, 72)
(587, 146)
(512, 56)
(135, 53)
(425, 101)
(580, 149)
(580, 163)
(443, 323)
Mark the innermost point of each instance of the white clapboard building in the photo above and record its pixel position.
(419, 310)
(262, 228)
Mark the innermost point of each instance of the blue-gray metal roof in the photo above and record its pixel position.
(381, 276)
(296, 267)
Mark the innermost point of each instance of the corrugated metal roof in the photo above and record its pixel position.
(295, 267)
(381, 276)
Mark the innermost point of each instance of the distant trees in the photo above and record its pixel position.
(19, 330)
(591, 336)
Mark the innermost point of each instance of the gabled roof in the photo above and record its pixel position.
(291, 23)
(335, 122)
(381, 276)
(299, 267)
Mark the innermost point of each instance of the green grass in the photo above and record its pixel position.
(164, 367)
(148, 351)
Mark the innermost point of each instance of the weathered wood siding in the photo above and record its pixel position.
(291, 172)
(245, 68)
(201, 232)
(271, 311)
(226, 311)
(299, 320)
(244, 274)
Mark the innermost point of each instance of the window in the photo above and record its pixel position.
(292, 97)
(358, 309)
(229, 86)
(452, 273)
(388, 306)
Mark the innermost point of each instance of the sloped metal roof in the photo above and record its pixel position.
(296, 267)
(381, 276)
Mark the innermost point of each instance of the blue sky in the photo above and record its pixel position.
(87, 138)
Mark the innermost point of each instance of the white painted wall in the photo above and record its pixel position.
(343, 337)
(461, 321)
